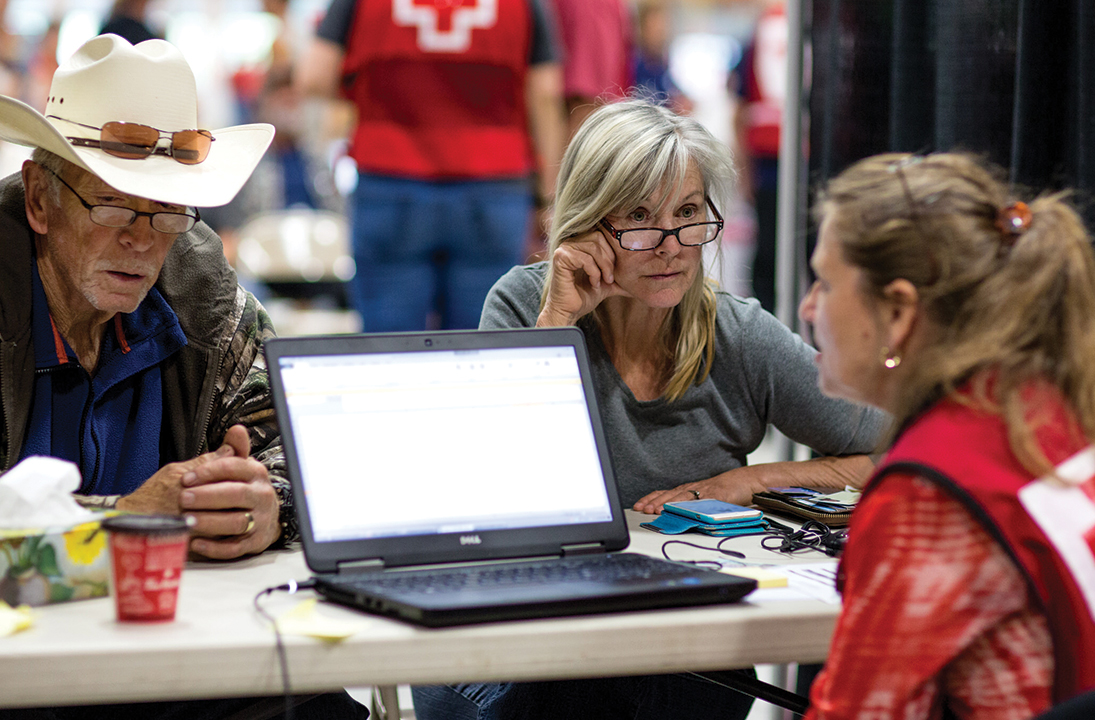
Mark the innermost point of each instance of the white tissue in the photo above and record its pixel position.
(37, 493)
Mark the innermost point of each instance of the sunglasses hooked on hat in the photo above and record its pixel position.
(113, 103)
(136, 142)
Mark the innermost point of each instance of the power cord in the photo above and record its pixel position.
(813, 535)
(748, 684)
(709, 563)
(290, 587)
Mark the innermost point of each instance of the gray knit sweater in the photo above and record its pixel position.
(762, 374)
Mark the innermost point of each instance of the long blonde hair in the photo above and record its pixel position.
(1018, 301)
(621, 156)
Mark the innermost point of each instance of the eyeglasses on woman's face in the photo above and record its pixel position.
(649, 238)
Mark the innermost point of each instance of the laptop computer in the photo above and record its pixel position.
(460, 477)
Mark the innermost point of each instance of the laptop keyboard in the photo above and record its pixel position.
(618, 568)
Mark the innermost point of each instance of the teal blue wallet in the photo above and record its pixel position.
(671, 524)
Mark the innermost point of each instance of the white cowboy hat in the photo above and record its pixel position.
(150, 83)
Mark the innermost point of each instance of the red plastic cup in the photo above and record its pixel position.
(147, 553)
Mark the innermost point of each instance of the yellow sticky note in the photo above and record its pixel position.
(765, 577)
(12, 620)
(304, 620)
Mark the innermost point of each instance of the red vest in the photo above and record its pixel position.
(764, 83)
(439, 87)
(1047, 526)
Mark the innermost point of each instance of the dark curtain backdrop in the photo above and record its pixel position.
(1013, 80)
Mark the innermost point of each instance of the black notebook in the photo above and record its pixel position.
(461, 477)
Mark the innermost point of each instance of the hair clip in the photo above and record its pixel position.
(1014, 220)
(898, 168)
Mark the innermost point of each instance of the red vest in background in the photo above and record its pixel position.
(1046, 525)
(439, 87)
(764, 83)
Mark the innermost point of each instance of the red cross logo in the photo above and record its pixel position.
(445, 25)
(1064, 509)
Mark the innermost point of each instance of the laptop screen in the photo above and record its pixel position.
(443, 441)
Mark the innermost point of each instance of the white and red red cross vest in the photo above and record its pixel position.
(439, 87)
(1046, 524)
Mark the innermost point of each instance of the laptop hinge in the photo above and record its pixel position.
(582, 549)
(356, 565)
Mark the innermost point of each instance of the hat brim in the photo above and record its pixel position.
(232, 158)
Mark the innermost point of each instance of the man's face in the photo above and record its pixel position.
(93, 269)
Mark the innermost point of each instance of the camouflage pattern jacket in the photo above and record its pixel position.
(219, 379)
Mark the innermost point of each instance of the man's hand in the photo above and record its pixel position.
(226, 492)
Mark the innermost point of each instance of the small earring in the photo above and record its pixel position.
(889, 360)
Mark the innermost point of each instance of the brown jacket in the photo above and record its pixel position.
(217, 380)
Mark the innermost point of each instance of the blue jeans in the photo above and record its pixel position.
(650, 697)
(432, 250)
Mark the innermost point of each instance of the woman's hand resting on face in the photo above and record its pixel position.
(582, 277)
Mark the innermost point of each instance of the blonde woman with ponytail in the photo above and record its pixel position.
(969, 314)
(688, 377)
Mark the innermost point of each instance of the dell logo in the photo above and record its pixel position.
(470, 540)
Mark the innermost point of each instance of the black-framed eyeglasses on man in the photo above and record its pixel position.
(115, 216)
(640, 239)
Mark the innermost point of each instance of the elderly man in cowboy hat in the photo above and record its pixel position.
(126, 344)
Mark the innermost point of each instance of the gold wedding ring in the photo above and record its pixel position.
(250, 523)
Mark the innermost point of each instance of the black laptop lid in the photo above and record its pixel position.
(416, 448)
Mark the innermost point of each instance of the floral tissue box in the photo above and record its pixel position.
(38, 568)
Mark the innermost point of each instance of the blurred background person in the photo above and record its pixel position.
(128, 19)
(653, 24)
(597, 50)
(10, 66)
(279, 103)
(12, 74)
(40, 67)
(460, 126)
(761, 85)
(264, 92)
(271, 229)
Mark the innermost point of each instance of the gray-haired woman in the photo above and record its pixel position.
(688, 377)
